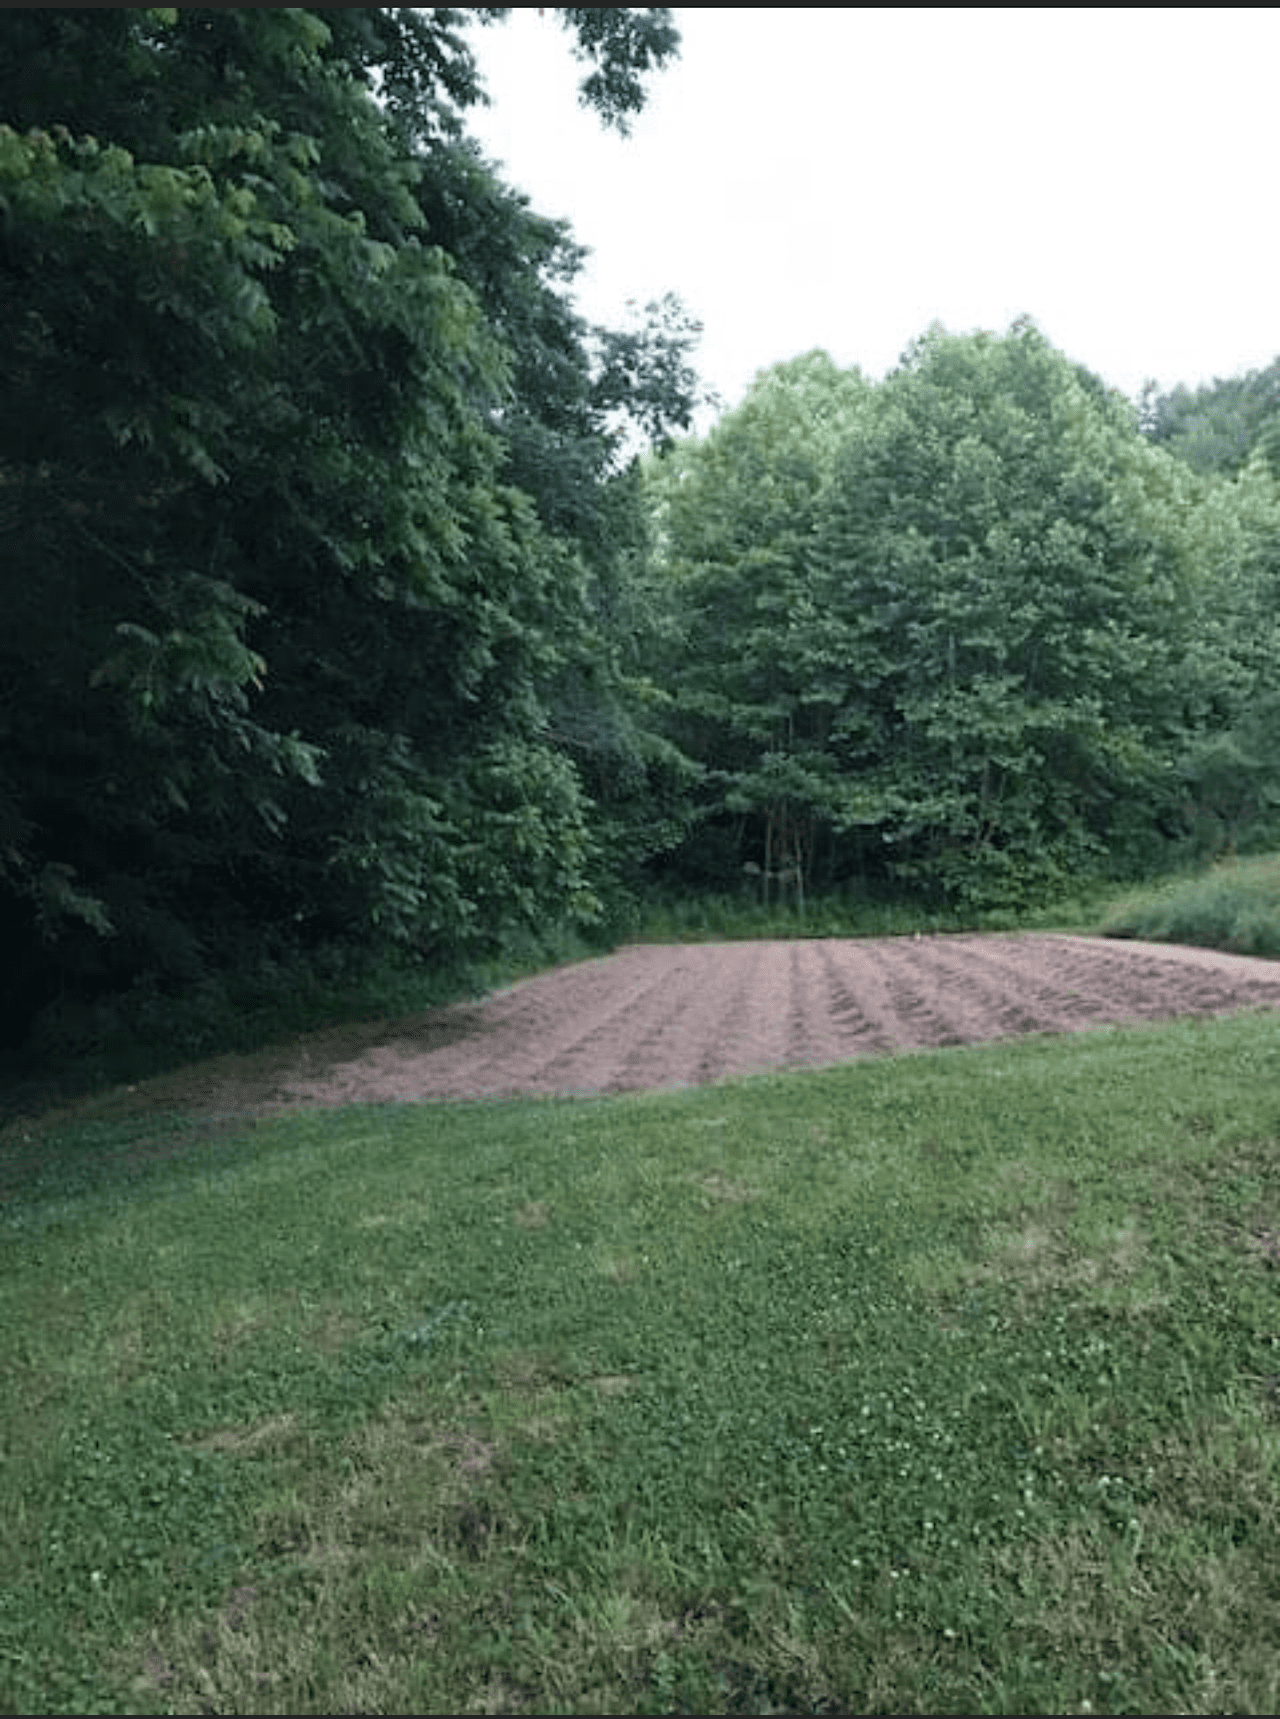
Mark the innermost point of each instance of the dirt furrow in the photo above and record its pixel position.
(924, 1016)
(688, 1044)
(857, 998)
(994, 978)
(1126, 981)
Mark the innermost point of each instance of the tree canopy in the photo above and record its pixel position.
(1217, 427)
(967, 627)
(308, 489)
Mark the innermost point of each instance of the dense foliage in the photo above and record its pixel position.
(1217, 427)
(968, 629)
(340, 617)
(312, 499)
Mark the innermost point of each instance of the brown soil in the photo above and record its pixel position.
(659, 1016)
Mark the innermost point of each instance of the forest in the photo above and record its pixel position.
(364, 607)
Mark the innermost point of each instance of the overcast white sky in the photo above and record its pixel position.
(841, 178)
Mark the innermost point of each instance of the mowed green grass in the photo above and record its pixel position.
(947, 1383)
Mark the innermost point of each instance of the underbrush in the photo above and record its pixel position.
(79, 1045)
(711, 917)
(943, 1383)
(1235, 906)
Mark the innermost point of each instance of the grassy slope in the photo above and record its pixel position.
(939, 1384)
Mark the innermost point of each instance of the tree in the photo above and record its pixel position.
(1216, 427)
(1228, 432)
(960, 634)
(753, 675)
(1231, 765)
(282, 626)
(582, 401)
(427, 74)
(1010, 603)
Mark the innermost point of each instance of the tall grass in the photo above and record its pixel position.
(710, 918)
(945, 1383)
(1235, 906)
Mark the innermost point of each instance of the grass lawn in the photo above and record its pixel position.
(949, 1383)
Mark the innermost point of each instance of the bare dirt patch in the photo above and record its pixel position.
(658, 1016)
(652, 1016)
